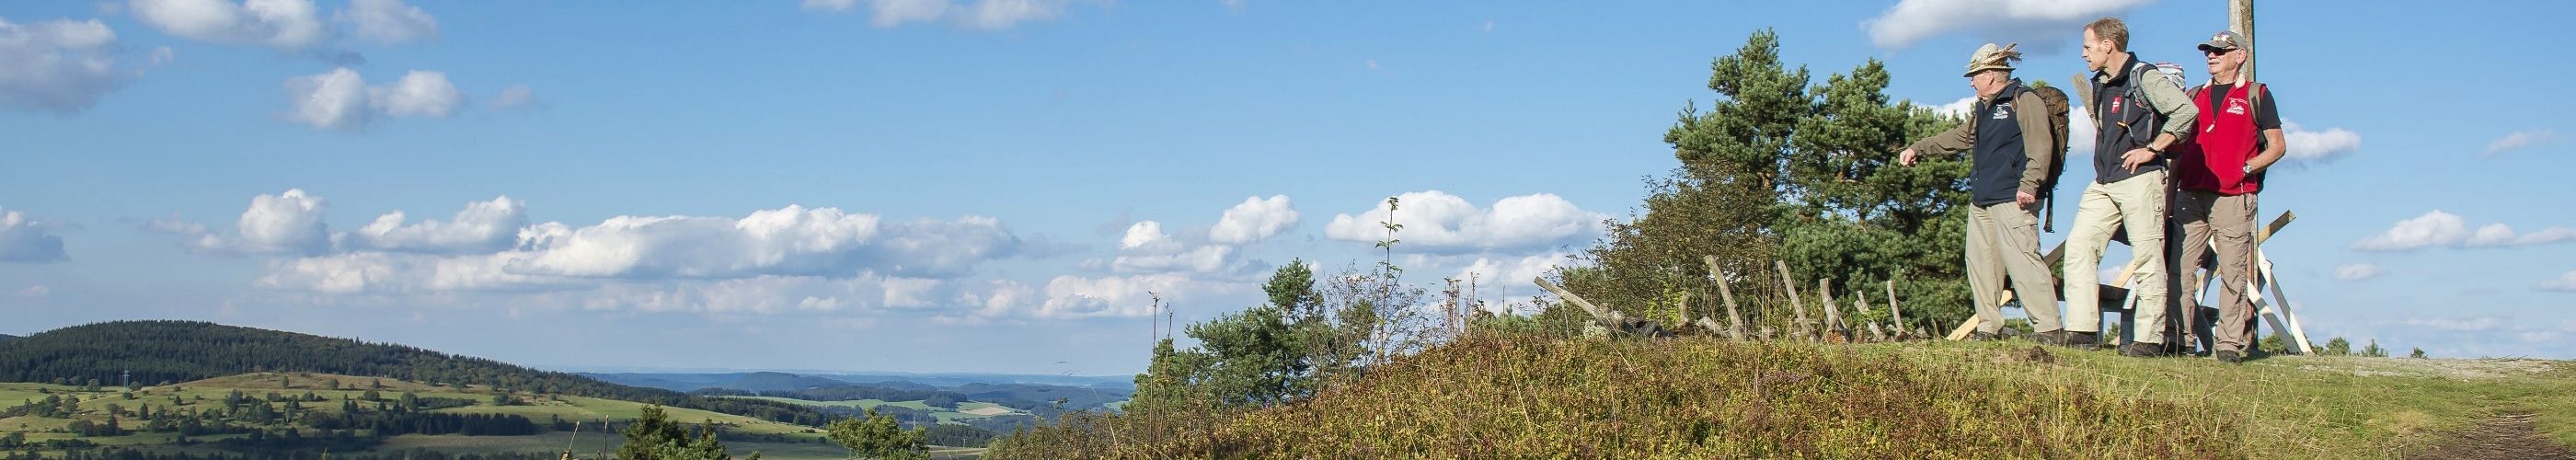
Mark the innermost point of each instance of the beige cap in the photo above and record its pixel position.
(1991, 57)
(2223, 41)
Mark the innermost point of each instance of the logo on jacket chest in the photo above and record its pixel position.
(2003, 110)
(2236, 106)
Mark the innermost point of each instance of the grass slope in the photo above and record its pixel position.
(799, 441)
(1702, 398)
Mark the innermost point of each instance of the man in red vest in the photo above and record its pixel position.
(2220, 170)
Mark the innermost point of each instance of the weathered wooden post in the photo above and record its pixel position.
(1791, 285)
(1734, 321)
(1897, 315)
(1833, 311)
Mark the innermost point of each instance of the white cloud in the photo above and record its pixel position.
(517, 95)
(23, 239)
(1146, 249)
(164, 55)
(1071, 296)
(1143, 234)
(788, 241)
(2439, 228)
(2357, 272)
(1002, 14)
(1441, 223)
(418, 94)
(2036, 24)
(37, 291)
(1254, 220)
(337, 99)
(1493, 278)
(829, 5)
(287, 223)
(2521, 139)
(491, 245)
(890, 13)
(1236, 6)
(389, 21)
(2485, 323)
(483, 227)
(2564, 283)
(2318, 146)
(341, 99)
(284, 24)
(59, 66)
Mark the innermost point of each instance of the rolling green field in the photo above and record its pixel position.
(800, 441)
(964, 411)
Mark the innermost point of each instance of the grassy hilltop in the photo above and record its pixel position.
(1703, 398)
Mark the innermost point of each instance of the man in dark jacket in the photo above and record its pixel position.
(2139, 113)
(2007, 134)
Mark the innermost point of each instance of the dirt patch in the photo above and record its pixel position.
(2507, 436)
(2457, 369)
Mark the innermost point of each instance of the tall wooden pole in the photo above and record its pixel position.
(2240, 19)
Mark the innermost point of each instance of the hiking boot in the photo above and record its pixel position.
(2229, 357)
(1981, 336)
(2142, 350)
(2079, 339)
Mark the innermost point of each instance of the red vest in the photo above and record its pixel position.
(2214, 159)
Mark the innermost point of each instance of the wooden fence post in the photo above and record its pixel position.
(1734, 321)
(1791, 285)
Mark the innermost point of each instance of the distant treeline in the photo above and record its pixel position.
(164, 352)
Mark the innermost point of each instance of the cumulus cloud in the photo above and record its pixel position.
(978, 15)
(1492, 278)
(1254, 220)
(2564, 283)
(34, 291)
(491, 246)
(2522, 139)
(1441, 223)
(2317, 146)
(1071, 296)
(340, 99)
(2357, 272)
(283, 224)
(482, 227)
(2439, 228)
(58, 66)
(1146, 249)
(418, 94)
(389, 21)
(793, 240)
(284, 24)
(2036, 24)
(26, 240)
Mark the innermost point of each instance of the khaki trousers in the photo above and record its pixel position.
(2136, 204)
(2003, 239)
(2207, 215)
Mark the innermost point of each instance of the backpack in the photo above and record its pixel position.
(2055, 101)
(2137, 91)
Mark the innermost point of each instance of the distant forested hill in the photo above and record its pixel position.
(5, 338)
(179, 351)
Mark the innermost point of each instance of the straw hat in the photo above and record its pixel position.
(1991, 57)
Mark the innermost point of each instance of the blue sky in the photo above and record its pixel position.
(990, 185)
